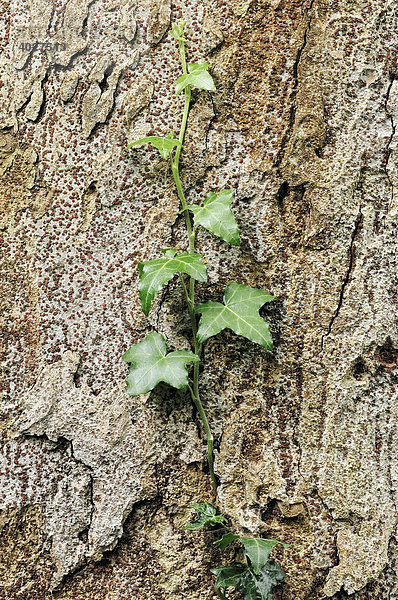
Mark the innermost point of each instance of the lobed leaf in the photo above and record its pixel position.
(150, 364)
(154, 274)
(229, 575)
(217, 217)
(239, 313)
(206, 517)
(163, 144)
(198, 77)
(258, 550)
(253, 586)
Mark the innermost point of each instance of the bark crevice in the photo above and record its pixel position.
(393, 130)
(347, 277)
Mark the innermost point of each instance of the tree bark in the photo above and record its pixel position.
(95, 484)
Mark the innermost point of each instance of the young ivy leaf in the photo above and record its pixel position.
(177, 31)
(198, 77)
(239, 313)
(150, 364)
(206, 517)
(154, 274)
(217, 217)
(253, 586)
(163, 144)
(258, 550)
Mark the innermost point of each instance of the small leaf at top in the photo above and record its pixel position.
(239, 313)
(177, 31)
(197, 76)
(217, 217)
(206, 517)
(155, 273)
(163, 144)
(150, 364)
(253, 586)
(258, 550)
(226, 539)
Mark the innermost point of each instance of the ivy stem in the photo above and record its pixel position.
(209, 437)
(189, 290)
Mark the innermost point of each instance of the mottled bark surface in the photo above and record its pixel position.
(94, 484)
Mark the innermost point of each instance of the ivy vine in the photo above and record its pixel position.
(150, 362)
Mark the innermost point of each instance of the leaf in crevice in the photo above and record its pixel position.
(163, 144)
(217, 217)
(253, 586)
(258, 550)
(239, 313)
(150, 364)
(154, 274)
(226, 539)
(197, 76)
(206, 516)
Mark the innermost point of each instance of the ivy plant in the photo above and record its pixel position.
(257, 574)
(150, 362)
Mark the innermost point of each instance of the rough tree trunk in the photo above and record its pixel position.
(94, 484)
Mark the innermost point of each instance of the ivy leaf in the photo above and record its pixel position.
(239, 313)
(198, 77)
(177, 31)
(217, 217)
(258, 550)
(150, 364)
(206, 517)
(163, 144)
(155, 273)
(253, 586)
(229, 575)
(226, 539)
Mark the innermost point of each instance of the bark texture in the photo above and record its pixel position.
(95, 484)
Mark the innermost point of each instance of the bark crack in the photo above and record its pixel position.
(298, 58)
(393, 130)
(346, 280)
(292, 117)
(91, 488)
(63, 443)
(51, 19)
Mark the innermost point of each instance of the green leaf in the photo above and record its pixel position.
(206, 517)
(155, 273)
(253, 586)
(151, 364)
(239, 313)
(258, 550)
(217, 217)
(229, 575)
(177, 31)
(198, 77)
(226, 539)
(163, 144)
